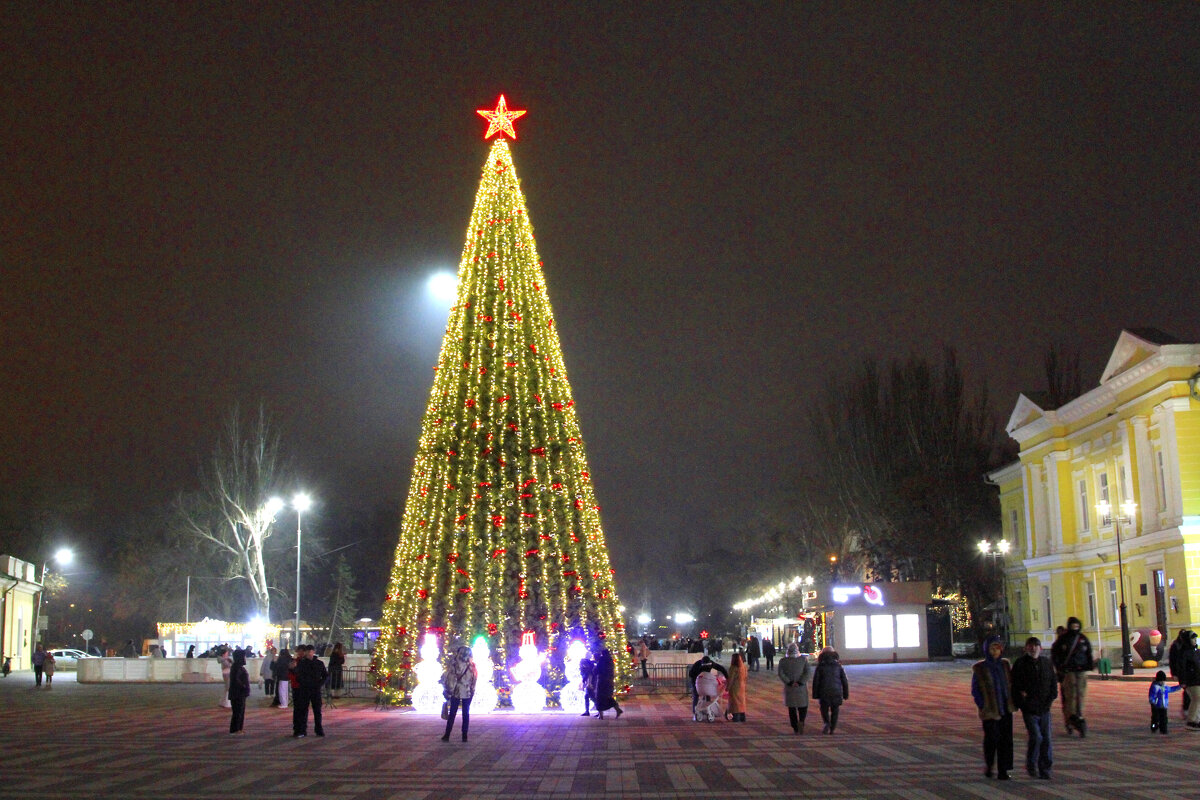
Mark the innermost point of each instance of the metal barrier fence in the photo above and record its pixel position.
(355, 681)
(665, 676)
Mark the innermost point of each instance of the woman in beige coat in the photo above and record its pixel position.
(736, 687)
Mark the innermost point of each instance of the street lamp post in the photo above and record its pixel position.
(301, 502)
(62, 557)
(996, 551)
(1104, 508)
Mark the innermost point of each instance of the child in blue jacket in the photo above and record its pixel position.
(1160, 695)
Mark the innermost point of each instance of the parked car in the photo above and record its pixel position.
(66, 658)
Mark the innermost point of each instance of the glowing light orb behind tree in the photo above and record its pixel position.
(527, 694)
(427, 697)
(501, 531)
(570, 697)
(485, 697)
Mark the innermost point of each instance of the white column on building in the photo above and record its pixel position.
(1170, 448)
(1054, 528)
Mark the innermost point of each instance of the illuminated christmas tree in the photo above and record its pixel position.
(501, 532)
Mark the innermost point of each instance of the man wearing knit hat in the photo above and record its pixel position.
(1072, 657)
(991, 686)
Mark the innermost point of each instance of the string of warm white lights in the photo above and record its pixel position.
(774, 593)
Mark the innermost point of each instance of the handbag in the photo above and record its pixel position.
(445, 709)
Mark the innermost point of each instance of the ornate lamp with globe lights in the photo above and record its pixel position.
(1128, 509)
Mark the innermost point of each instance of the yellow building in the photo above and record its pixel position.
(19, 590)
(1135, 437)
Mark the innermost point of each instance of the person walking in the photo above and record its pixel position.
(794, 672)
(586, 667)
(736, 688)
(753, 653)
(991, 686)
(768, 648)
(605, 678)
(829, 687)
(48, 667)
(458, 687)
(282, 685)
(1035, 687)
(1160, 696)
(1072, 657)
(310, 679)
(266, 671)
(239, 690)
(643, 654)
(39, 665)
(226, 660)
(337, 661)
(1190, 679)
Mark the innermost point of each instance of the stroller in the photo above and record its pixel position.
(709, 685)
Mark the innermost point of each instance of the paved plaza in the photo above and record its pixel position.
(908, 731)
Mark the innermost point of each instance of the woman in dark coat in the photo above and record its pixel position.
(337, 660)
(830, 687)
(239, 690)
(604, 677)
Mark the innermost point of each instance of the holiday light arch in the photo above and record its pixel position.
(501, 533)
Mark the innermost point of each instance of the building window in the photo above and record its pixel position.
(1012, 523)
(882, 631)
(1046, 603)
(1091, 604)
(1123, 481)
(856, 632)
(908, 630)
(1112, 601)
(1084, 510)
(1103, 490)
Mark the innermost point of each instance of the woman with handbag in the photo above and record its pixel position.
(458, 687)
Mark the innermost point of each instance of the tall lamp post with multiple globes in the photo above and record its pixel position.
(63, 556)
(996, 551)
(1128, 509)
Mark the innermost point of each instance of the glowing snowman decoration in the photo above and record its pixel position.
(484, 701)
(528, 695)
(427, 697)
(570, 697)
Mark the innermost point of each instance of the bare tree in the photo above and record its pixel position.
(906, 451)
(1064, 381)
(235, 509)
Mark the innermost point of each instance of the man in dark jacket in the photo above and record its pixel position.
(705, 664)
(1189, 676)
(753, 653)
(1035, 686)
(1175, 663)
(1072, 657)
(310, 675)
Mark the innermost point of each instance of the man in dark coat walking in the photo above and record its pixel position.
(1072, 657)
(1035, 686)
(310, 675)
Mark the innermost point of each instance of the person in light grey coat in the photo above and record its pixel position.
(794, 672)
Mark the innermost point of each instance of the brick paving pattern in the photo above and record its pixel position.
(908, 731)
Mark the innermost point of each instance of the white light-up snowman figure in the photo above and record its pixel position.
(528, 695)
(570, 697)
(427, 697)
(484, 701)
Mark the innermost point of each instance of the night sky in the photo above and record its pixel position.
(207, 204)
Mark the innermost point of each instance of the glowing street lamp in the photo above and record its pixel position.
(301, 502)
(1104, 509)
(63, 556)
(996, 551)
